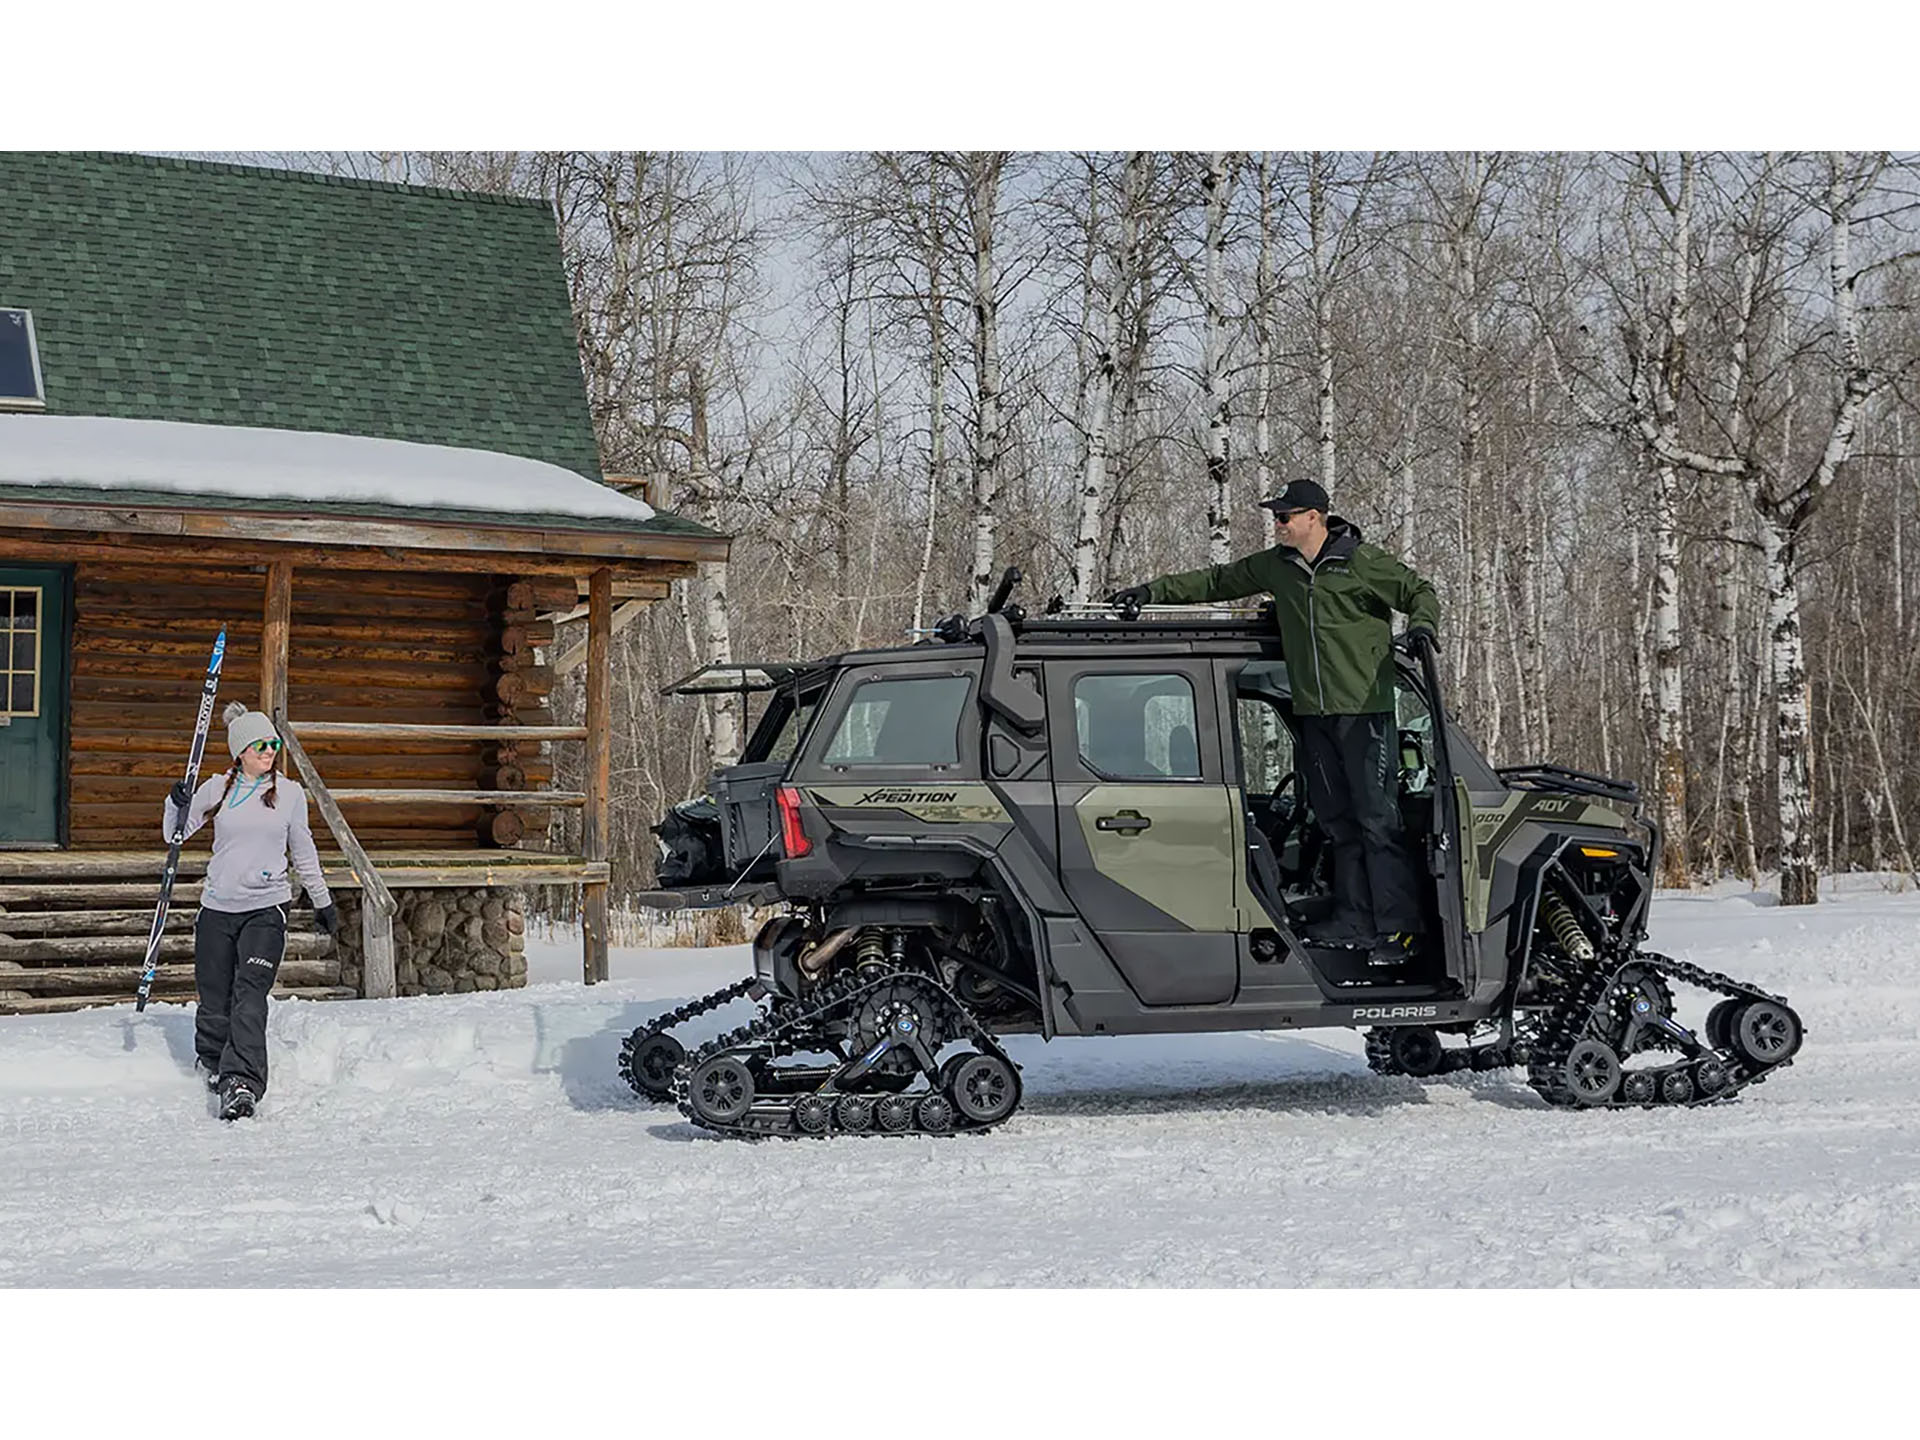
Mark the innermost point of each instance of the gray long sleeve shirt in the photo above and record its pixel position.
(252, 843)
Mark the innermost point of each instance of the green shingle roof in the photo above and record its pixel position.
(169, 289)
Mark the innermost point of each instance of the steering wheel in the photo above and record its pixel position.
(1291, 820)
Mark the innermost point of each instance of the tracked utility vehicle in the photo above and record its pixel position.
(1089, 823)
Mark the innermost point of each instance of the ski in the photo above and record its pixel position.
(179, 836)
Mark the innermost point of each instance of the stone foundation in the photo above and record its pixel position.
(445, 942)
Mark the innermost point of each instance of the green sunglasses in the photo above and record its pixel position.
(265, 747)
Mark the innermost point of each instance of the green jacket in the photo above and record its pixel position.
(1335, 615)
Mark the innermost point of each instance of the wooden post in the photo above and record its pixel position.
(599, 767)
(378, 977)
(274, 632)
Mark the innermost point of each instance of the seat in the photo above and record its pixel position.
(1183, 752)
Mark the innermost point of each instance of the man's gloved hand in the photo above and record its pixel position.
(1131, 598)
(181, 794)
(327, 917)
(1408, 641)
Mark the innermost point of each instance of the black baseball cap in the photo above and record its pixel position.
(1300, 495)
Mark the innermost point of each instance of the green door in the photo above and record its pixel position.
(33, 704)
(1147, 838)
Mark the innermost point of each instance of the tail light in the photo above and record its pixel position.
(793, 839)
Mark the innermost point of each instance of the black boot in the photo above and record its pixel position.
(236, 1099)
(208, 1072)
(1390, 952)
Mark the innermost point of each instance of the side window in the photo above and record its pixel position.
(1137, 727)
(901, 722)
(789, 716)
(1415, 723)
(1266, 746)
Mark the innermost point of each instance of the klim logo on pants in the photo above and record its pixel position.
(259, 960)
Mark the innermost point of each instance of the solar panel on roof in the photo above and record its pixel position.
(19, 361)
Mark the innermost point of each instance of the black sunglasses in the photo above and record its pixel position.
(1281, 517)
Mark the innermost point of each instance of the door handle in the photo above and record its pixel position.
(1128, 822)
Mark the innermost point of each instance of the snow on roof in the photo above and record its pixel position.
(241, 463)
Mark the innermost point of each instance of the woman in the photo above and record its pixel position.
(259, 820)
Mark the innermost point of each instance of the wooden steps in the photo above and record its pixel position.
(24, 924)
(107, 948)
(295, 977)
(52, 1004)
(401, 869)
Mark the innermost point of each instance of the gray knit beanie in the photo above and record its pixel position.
(245, 726)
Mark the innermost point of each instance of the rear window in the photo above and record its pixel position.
(901, 722)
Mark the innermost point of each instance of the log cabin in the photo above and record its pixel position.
(345, 421)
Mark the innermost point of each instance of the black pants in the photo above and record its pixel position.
(1349, 763)
(235, 959)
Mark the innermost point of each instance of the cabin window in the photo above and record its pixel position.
(902, 722)
(1137, 727)
(20, 385)
(20, 610)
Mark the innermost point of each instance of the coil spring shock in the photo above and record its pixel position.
(1566, 929)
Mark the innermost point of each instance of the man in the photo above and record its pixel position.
(1334, 597)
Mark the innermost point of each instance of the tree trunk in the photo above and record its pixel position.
(983, 200)
(1263, 340)
(1669, 731)
(1320, 265)
(936, 389)
(1218, 185)
(1102, 384)
(1792, 738)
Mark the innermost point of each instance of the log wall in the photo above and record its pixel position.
(404, 648)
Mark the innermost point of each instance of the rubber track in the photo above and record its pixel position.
(1573, 1018)
(661, 1024)
(772, 1115)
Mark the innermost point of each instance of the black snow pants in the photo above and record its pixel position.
(235, 959)
(1348, 763)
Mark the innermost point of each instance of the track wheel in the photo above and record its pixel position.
(1719, 1018)
(1676, 1087)
(1638, 1088)
(648, 1064)
(854, 1112)
(985, 1089)
(1592, 1072)
(1417, 1050)
(813, 1114)
(1764, 1033)
(935, 1114)
(1710, 1076)
(721, 1090)
(895, 1113)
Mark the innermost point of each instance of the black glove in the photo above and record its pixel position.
(1132, 598)
(181, 794)
(1408, 641)
(327, 917)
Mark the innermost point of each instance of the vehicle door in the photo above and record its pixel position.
(1146, 823)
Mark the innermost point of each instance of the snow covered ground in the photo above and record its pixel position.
(485, 1139)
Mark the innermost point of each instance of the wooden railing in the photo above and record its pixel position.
(377, 906)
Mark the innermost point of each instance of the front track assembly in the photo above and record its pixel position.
(884, 1030)
(1617, 1011)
